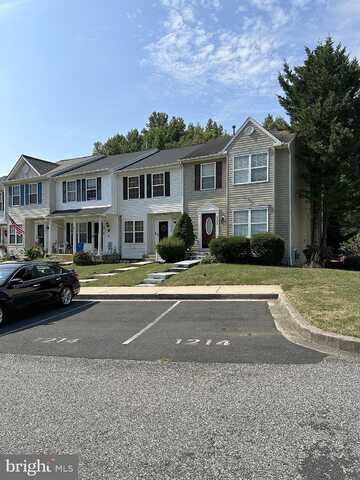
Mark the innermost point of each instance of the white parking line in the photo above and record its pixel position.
(134, 337)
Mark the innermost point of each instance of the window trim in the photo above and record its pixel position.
(250, 168)
(36, 193)
(158, 185)
(68, 191)
(133, 188)
(18, 196)
(90, 189)
(249, 223)
(134, 231)
(16, 242)
(207, 176)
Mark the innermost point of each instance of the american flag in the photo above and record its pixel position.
(18, 228)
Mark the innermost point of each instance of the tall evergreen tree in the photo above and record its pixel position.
(322, 99)
(278, 123)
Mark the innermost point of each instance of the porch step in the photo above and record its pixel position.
(178, 269)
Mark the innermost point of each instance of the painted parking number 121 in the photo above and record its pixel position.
(197, 341)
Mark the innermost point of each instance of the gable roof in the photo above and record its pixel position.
(285, 136)
(212, 147)
(40, 166)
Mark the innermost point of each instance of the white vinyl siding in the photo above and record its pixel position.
(252, 168)
(208, 176)
(251, 221)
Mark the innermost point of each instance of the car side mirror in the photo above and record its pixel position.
(15, 282)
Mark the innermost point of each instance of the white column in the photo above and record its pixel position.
(74, 236)
(99, 236)
(50, 240)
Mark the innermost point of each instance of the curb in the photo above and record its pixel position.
(316, 335)
(178, 296)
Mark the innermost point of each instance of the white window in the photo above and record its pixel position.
(249, 222)
(15, 238)
(71, 191)
(134, 187)
(91, 190)
(16, 195)
(208, 176)
(2, 204)
(33, 193)
(82, 232)
(134, 232)
(158, 185)
(250, 168)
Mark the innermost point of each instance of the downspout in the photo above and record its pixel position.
(290, 205)
(227, 206)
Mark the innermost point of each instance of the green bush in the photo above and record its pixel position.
(184, 229)
(352, 246)
(83, 258)
(231, 249)
(352, 262)
(267, 249)
(34, 252)
(171, 249)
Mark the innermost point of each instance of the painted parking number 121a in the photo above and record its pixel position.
(197, 341)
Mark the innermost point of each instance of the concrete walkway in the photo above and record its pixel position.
(184, 292)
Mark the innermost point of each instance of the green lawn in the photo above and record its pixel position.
(123, 279)
(329, 299)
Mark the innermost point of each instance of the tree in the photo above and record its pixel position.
(322, 100)
(184, 229)
(278, 123)
(159, 132)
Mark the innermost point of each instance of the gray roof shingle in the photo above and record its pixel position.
(80, 211)
(212, 147)
(284, 136)
(41, 166)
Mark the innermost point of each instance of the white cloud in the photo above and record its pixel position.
(11, 4)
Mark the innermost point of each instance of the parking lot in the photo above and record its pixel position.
(200, 331)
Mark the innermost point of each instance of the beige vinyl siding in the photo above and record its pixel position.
(254, 194)
(196, 200)
(282, 196)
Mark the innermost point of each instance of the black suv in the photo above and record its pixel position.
(25, 283)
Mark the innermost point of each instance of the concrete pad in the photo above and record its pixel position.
(140, 264)
(105, 274)
(88, 280)
(125, 269)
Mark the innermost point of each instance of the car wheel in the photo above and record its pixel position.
(66, 296)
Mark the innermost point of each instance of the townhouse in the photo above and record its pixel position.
(231, 185)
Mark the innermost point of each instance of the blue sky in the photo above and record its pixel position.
(76, 71)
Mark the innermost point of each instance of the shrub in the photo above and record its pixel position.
(34, 252)
(352, 262)
(231, 249)
(184, 229)
(83, 258)
(171, 249)
(208, 259)
(267, 249)
(352, 246)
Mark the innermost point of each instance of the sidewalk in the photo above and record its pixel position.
(255, 292)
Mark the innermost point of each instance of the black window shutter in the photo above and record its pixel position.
(10, 195)
(197, 177)
(219, 174)
(142, 186)
(83, 190)
(27, 194)
(125, 188)
(40, 193)
(64, 192)
(78, 190)
(148, 185)
(68, 239)
(22, 194)
(89, 232)
(98, 188)
(167, 184)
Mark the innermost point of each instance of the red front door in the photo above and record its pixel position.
(208, 228)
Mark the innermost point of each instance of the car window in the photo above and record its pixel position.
(6, 271)
(24, 274)
(45, 270)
